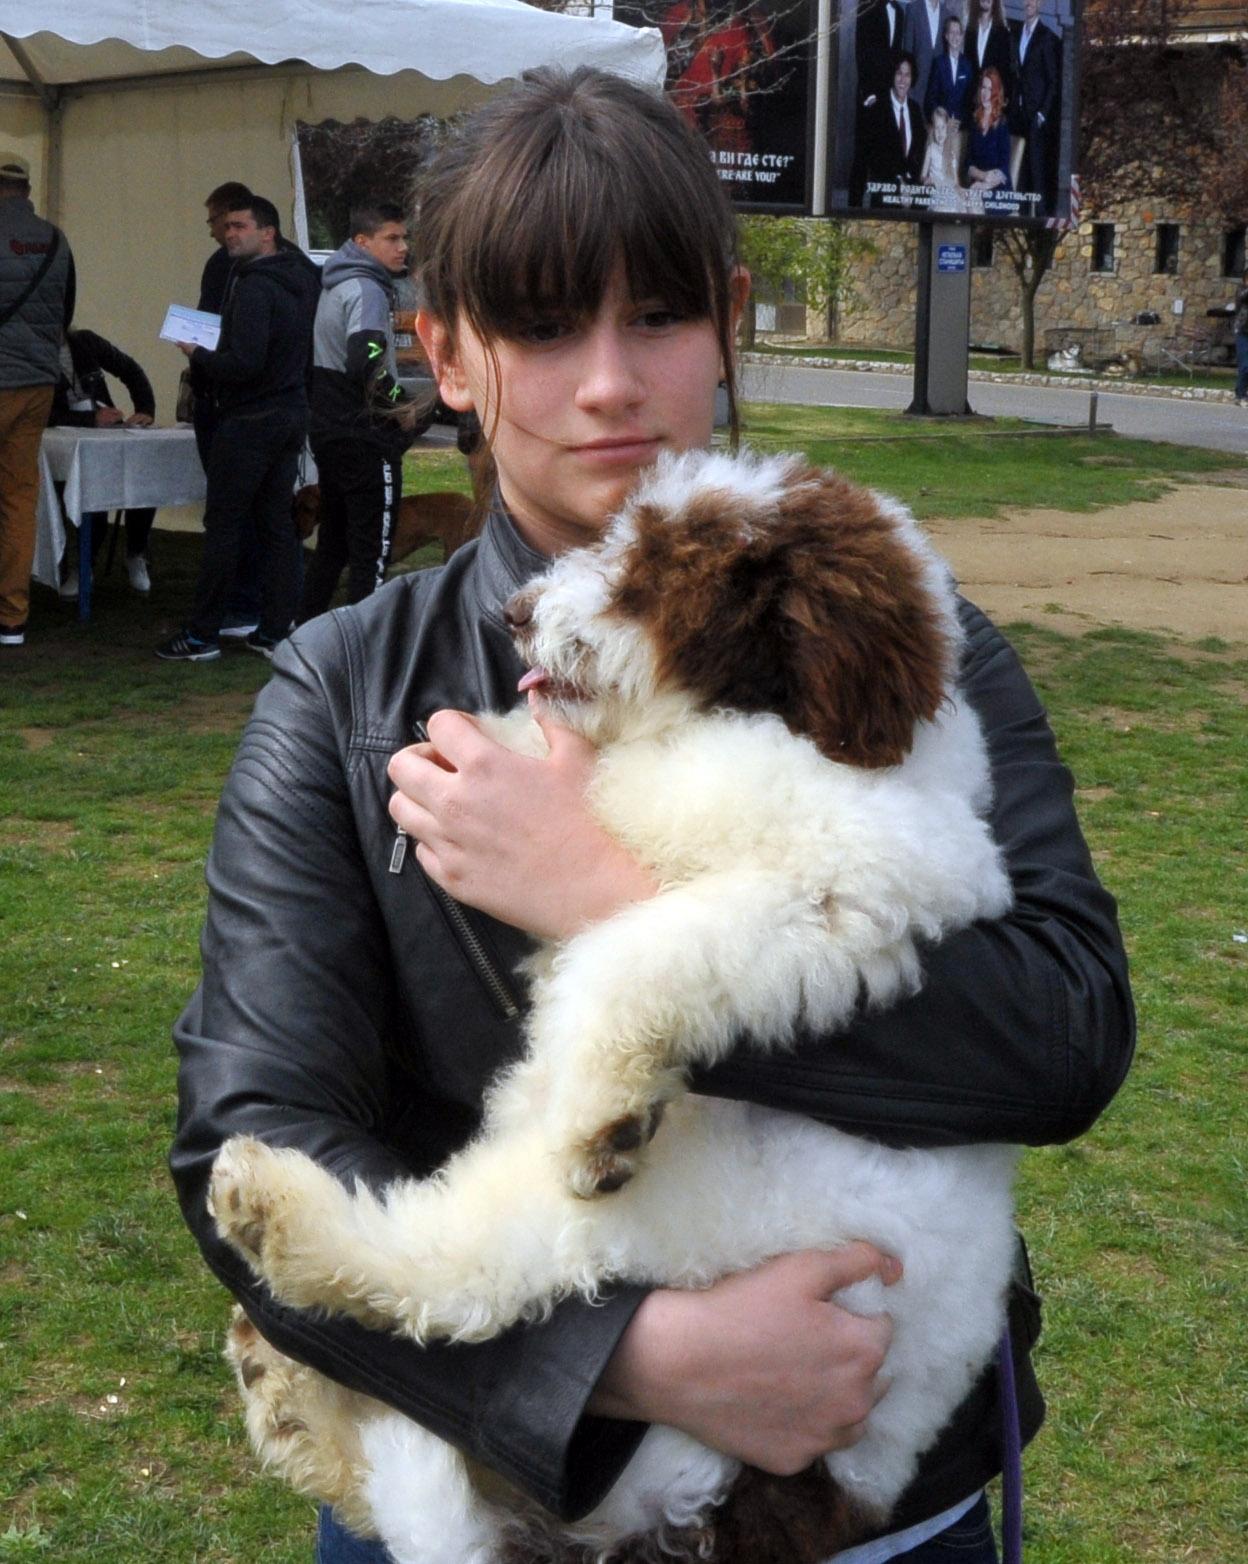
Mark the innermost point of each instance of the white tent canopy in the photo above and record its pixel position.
(130, 111)
(62, 42)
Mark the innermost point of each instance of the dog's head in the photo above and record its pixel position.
(757, 584)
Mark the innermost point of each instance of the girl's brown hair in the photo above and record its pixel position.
(536, 197)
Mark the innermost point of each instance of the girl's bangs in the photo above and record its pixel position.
(553, 247)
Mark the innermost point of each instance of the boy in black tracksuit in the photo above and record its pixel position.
(258, 375)
(356, 440)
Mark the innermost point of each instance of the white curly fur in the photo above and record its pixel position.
(792, 888)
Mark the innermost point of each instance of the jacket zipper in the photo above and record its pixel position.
(470, 941)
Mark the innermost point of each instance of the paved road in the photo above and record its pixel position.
(1216, 425)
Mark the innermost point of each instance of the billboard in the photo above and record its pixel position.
(960, 111)
(743, 76)
(950, 109)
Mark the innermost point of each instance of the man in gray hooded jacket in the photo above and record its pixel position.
(357, 441)
(36, 307)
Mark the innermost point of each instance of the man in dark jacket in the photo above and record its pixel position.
(82, 400)
(242, 609)
(258, 375)
(1036, 62)
(357, 441)
(36, 307)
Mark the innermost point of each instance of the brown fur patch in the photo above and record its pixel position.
(803, 1519)
(786, 1520)
(816, 611)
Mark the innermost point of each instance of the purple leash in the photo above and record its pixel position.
(1011, 1456)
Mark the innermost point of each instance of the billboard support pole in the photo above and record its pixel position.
(823, 95)
(942, 320)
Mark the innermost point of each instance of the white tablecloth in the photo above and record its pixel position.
(109, 469)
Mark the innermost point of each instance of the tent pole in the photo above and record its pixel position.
(52, 100)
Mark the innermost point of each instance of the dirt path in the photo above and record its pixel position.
(1176, 564)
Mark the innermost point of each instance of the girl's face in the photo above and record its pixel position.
(577, 410)
(940, 128)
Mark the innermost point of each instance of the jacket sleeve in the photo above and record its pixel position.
(114, 362)
(242, 359)
(1024, 1027)
(367, 327)
(289, 1038)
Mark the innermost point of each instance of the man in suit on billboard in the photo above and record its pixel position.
(879, 29)
(924, 38)
(1036, 60)
(878, 42)
(895, 135)
(988, 43)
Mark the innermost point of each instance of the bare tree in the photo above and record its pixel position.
(1031, 252)
(1227, 183)
(348, 165)
(1157, 122)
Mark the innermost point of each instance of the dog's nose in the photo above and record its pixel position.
(518, 611)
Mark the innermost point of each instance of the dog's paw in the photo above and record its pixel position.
(607, 1159)
(239, 1198)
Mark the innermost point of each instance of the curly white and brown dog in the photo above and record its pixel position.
(765, 656)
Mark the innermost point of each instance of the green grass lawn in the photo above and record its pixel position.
(120, 1438)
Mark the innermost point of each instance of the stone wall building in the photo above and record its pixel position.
(1139, 261)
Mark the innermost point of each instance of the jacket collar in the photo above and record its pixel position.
(503, 563)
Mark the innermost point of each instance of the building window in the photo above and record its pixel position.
(1234, 248)
(981, 247)
(1102, 247)
(1167, 257)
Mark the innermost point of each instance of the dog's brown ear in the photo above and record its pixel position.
(817, 611)
(869, 653)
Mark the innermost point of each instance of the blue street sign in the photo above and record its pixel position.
(951, 258)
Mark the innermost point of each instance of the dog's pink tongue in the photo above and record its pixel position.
(533, 680)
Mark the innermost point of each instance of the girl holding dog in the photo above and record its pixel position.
(578, 263)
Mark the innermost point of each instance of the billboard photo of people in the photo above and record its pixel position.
(739, 71)
(963, 109)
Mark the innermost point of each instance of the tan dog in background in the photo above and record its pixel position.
(442, 517)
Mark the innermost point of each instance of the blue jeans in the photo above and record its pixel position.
(968, 1541)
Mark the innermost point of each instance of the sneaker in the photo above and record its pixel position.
(69, 587)
(13, 635)
(136, 569)
(187, 648)
(263, 644)
(239, 629)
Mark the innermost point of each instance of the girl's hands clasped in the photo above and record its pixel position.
(509, 835)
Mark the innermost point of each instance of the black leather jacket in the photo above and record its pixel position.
(347, 1007)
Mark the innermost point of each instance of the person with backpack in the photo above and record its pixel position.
(37, 288)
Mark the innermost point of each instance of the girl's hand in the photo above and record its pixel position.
(509, 835)
(765, 1365)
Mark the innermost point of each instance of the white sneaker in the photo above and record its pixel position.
(136, 569)
(69, 587)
